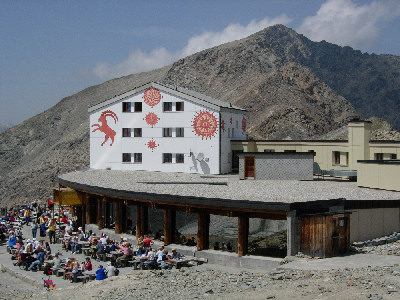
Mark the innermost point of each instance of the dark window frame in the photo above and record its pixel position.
(179, 158)
(167, 106)
(167, 132)
(167, 158)
(180, 106)
(126, 157)
(126, 132)
(138, 106)
(137, 132)
(126, 106)
(180, 132)
(137, 158)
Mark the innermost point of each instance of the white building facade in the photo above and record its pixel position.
(164, 128)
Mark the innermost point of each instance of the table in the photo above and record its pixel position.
(86, 251)
(116, 254)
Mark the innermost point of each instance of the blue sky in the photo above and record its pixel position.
(50, 49)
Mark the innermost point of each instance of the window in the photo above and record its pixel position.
(126, 157)
(137, 132)
(233, 132)
(126, 132)
(378, 156)
(167, 132)
(180, 158)
(167, 106)
(179, 132)
(237, 124)
(269, 150)
(179, 106)
(393, 156)
(340, 158)
(138, 106)
(137, 157)
(229, 132)
(167, 158)
(336, 157)
(126, 106)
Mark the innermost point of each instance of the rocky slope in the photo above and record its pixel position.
(283, 79)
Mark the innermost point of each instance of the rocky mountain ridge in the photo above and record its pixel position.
(273, 74)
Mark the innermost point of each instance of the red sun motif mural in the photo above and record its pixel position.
(152, 97)
(244, 124)
(152, 145)
(109, 133)
(205, 124)
(151, 119)
(223, 125)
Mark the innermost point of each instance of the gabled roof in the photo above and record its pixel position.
(184, 93)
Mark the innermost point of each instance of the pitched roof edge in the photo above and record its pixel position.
(190, 95)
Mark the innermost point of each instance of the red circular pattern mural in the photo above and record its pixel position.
(244, 124)
(151, 119)
(205, 124)
(152, 145)
(152, 97)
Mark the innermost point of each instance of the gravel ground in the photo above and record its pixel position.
(207, 283)
(373, 275)
(218, 282)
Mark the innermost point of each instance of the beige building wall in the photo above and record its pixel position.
(358, 147)
(359, 135)
(379, 175)
(386, 149)
(366, 224)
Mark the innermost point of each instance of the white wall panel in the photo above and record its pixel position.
(191, 145)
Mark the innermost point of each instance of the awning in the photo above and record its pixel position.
(66, 196)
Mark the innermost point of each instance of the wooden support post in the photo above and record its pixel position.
(243, 235)
(145, 219)
(293, 233)
(106, 214)
(88, 209)
(203, 228)
(124, 216)
(118, 216)
(139, 221)
(169, 226)
(100, 212)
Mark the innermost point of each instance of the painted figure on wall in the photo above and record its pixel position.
(109, 133)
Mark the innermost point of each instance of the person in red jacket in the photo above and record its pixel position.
(88, 264)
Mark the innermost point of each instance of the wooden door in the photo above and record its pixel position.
(249, 167)
(340, 234)
(313, 236)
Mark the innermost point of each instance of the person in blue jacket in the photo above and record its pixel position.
(12, 241)
(101, 273)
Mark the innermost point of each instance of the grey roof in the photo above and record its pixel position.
(219, 189)
(174, 90)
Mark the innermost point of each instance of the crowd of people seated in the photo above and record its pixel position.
(35, 253)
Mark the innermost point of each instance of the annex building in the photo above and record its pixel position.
(166, 148)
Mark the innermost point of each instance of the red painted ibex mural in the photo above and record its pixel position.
(104, 126)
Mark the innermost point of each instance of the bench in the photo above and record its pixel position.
(102, 257)
(86, 251)
(60, 272)
(83, 278)
(124, 262)
(90, 274)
